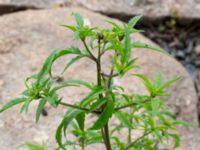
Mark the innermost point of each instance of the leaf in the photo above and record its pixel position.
(12, 103)
(79, 19)
(146, 81)
(32, 146)
(72, 61)
(40, 108)
(64, 124)
(25, 106)
(69, 117)
(55, 55)
(134, 21)
(176, 139)
(80, 118)
(97, 104)
(104, 117)
(157, 80)
(125, 54)
(167, 84)
(147, 46)
(123, 119)
(73, 83)
(73, 28)
(93, 94)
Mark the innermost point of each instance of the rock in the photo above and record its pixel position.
(148, 8)
(39, 33)
(197, 49)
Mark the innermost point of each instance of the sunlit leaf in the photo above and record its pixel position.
(12, 103)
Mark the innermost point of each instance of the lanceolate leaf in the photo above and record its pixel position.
(80, 118)
(12, 103)
(104, 117)
(79, 20)
(55, 55)
(125, 54)
(40, 108)
(71, 114)
(146, 81)
(73, 83)
(167, 84)
(147, 46)
(134, 21)
(72, 61)
(123, 119)
(93, 94)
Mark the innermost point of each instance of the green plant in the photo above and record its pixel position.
(134, 112)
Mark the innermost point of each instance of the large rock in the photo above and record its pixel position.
(26, 39)
(149, 8)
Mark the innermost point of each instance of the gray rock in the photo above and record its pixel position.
(149, 8)
(33, 35)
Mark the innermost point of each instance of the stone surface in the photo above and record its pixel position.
(26, 40)
(150, 8)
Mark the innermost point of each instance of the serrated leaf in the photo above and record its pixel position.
(40, 108)
(104, 117)
(12, 103)
(123, 119)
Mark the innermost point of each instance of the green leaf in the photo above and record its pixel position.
(40, 108)
(147, 46)
(80, 118)
(125, 54)
(32, 146)
(72, 61)
(55, 55)
(73, 28)
(157, 80)
(70, 115)
(176, 139)
(79, 19)
(73, 83)
(25, 105)
(12, 103)
(123, 119)
(146, 81)
(167, 84)
(104, 117)
(97, 104)
(93, 94)
(134, 21)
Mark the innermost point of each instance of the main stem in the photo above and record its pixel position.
(105, 130)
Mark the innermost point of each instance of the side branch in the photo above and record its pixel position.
(80, 108)
(138, 139)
